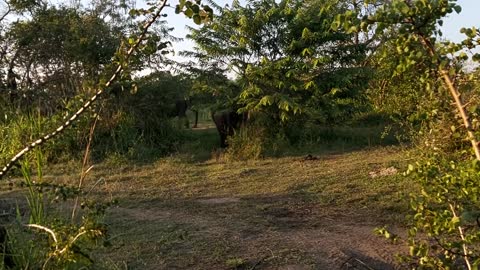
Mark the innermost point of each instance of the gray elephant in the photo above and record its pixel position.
(227, 122)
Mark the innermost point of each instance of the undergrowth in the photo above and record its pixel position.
(41, 237)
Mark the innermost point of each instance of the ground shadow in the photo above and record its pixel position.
(264, 232)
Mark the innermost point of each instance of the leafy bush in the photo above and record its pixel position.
(135, 137)
(137, 126)
(247, 143)
(260, 136)
(140, 125)
(446, 214)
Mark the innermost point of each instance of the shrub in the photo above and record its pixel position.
(39, 240)
(19, 128)
(247, 143)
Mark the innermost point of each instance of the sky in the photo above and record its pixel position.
(179, 22)
(470, 16)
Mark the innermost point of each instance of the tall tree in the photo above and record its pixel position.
(285, 56)
(59, 51)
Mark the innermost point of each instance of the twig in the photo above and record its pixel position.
(40, 227)
(462, 236)
(455, 95)
(84, 163)
(9, 9)
(54, 237)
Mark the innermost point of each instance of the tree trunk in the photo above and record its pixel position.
(195, 124)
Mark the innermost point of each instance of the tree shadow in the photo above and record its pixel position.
(294, 229)
(355, 260)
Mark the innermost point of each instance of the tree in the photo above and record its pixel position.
(85, 41)
(141, 42)
(286, 59)
(446, 208)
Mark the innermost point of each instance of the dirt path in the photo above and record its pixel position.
(251, 233)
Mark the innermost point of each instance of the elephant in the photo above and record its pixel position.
(180, 111)
(181, 106)
(227, 122)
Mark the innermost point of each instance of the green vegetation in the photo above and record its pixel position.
(184, 212)
(448, 173)
(340, 115)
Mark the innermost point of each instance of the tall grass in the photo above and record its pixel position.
(124, 131)
(34, 198)
(38, 239)
(19, 128)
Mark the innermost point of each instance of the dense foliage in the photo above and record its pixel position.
(285, 58)
(61, 56)
(57, 57)
(444, 233)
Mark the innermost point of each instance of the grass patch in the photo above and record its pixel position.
(193, 211)
(179, 214)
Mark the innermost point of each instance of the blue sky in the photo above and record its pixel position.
(470, 16)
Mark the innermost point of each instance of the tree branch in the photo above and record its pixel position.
(456, 97)
(89, 102)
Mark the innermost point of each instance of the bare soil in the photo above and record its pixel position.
(292, 236)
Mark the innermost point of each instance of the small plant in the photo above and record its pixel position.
(444, 232)
(41, 241)
(447, 212)
(34, 198)
(235, 263)
(247, 143)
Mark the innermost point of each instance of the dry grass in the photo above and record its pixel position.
(277, 213)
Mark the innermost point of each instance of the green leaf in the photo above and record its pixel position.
(472, 109)
(335, 25)
(305, 33)
(309, 85)
(188, 12)
(266, 100)
(410, 167)
(197, 19)
(457, 9)
(476, 57)
(455, 221)
(306, 51)
(403, 7)
(195, 9)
